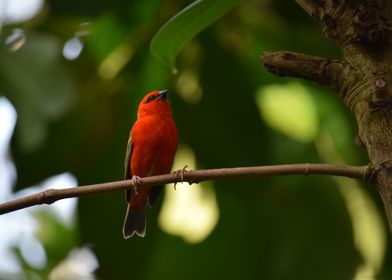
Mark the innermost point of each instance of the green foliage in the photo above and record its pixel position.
(185, 25)
(36, 81)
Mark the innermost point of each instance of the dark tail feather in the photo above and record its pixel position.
(135, 221)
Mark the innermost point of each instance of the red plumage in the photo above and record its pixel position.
(151, 149)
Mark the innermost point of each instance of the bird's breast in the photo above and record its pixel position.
(155, 141)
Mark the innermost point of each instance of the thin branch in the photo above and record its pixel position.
(317, 69)
(52, 195)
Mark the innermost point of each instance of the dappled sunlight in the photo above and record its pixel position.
(33, 252)
(115, 61)
(16, 227)
(20, 230)
(73, 47)
(79, 264)
(7, 168)
(368, 226)
(289, 109)
(188, 86)
(64, 210)
(190, 211)
(16, 11)
(15, 40)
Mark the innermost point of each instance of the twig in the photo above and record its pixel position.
(52, 195)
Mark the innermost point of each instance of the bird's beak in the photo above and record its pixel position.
(162, 94)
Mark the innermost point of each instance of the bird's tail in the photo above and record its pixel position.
(135, 221)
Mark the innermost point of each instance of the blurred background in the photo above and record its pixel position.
(71, 76)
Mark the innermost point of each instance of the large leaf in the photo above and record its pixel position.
(185, 25)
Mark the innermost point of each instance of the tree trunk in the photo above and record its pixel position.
(362, 78)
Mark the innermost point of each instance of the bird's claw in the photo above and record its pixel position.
(135, 181)
(180, 173)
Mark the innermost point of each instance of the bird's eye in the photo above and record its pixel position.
(151, 98)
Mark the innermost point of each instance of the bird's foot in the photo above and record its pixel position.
(135, 182)
(180, 173)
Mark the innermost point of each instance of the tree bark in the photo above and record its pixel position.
(362, 78)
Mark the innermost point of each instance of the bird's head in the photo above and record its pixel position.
(154, 103)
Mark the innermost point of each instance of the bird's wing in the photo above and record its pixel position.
(127, 170)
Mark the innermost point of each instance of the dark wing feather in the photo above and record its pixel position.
(127, 171)
(154, 192)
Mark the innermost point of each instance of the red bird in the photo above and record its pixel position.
(151, 148)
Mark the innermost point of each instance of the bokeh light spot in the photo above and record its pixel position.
(289, 109)
(15, 40)
(72, 48)
(188, 86)
(116, 61)
(16, 11)
(79, 264)
(190, 211)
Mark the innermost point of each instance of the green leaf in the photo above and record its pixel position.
(185, 25)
